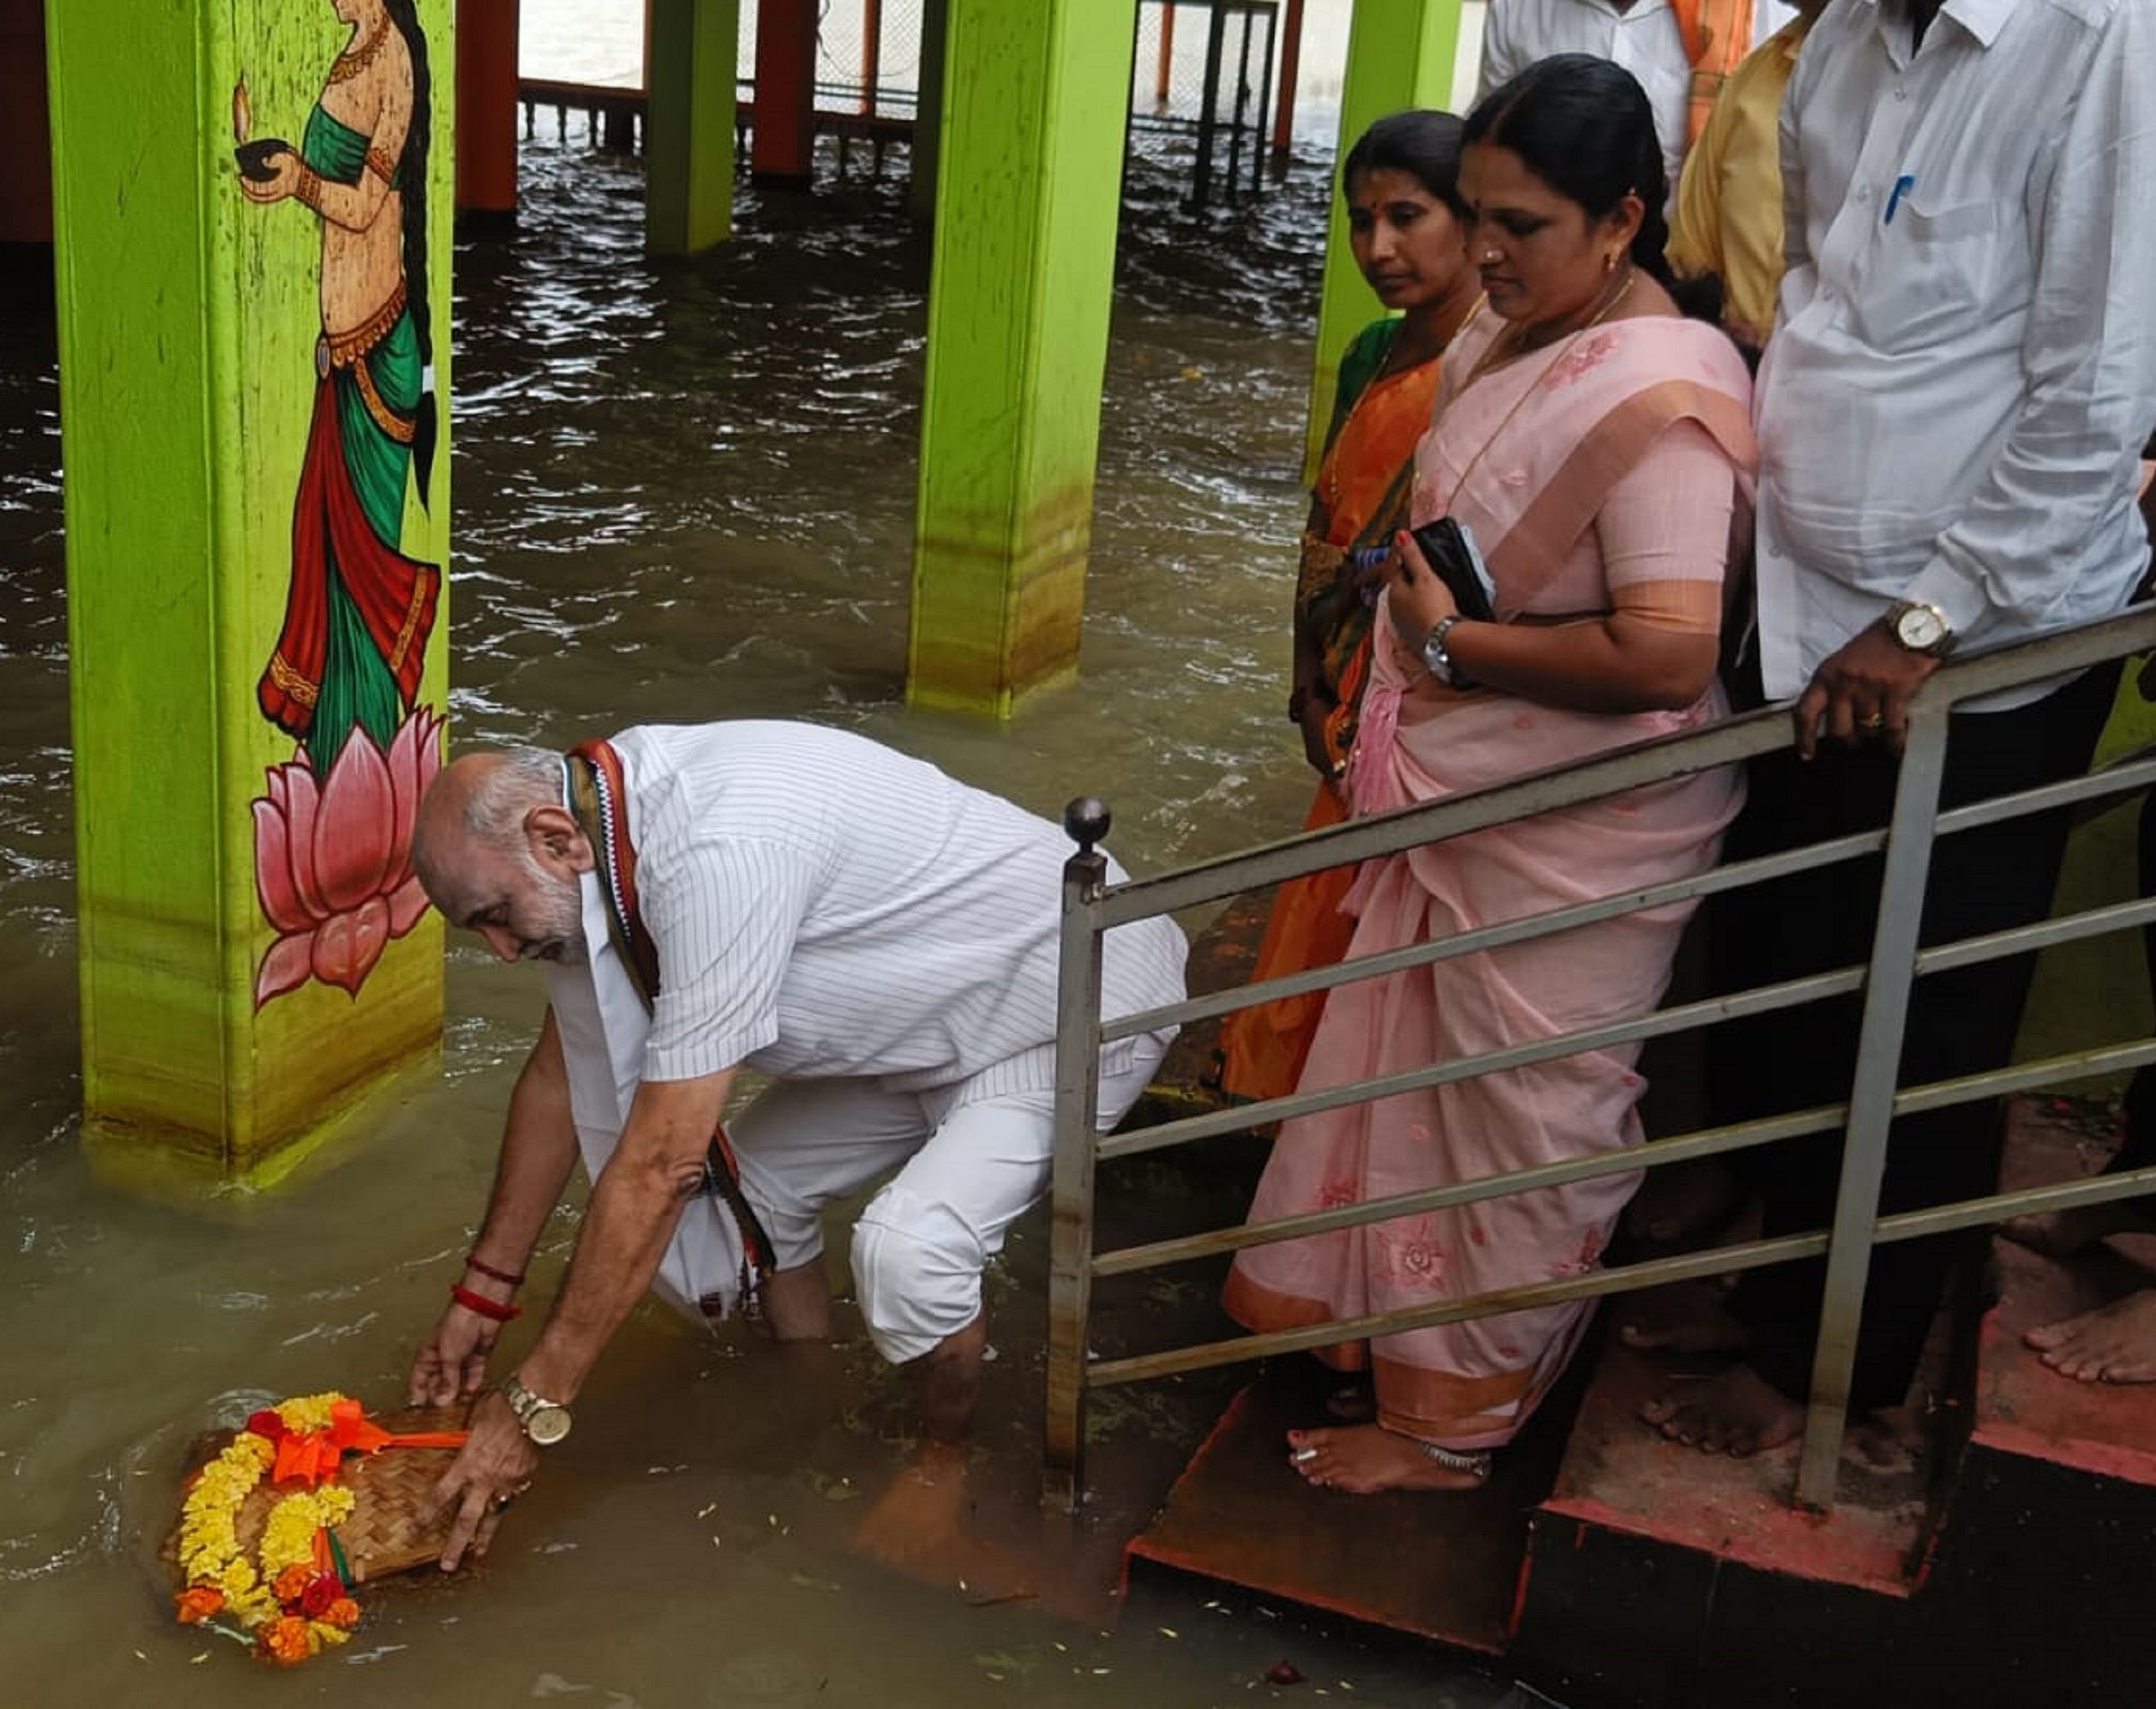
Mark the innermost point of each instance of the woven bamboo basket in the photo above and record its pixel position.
(391, 1529)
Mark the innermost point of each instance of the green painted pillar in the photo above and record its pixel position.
(1400, 54)
(928, 112)
(254, 404)
(689, 145)
(1028, 176)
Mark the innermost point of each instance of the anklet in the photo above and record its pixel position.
(1475, 1465)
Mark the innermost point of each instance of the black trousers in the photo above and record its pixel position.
(1959, 1022)
(2140, 1149)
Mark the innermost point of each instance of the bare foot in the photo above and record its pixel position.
(2115, 1343)
(1739, 1412)
(1367, 1458)
(918, 1526)
(1888, 1440)
(2059, 1234)
(1683, 1199)
(1682, 1320)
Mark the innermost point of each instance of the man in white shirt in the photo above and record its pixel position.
(877, 938)
(1950, 414)
(1640, 36)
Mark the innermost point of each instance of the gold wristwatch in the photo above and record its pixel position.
(545, 1422)
(1919, 628)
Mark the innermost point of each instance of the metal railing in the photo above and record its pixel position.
(1092, 907)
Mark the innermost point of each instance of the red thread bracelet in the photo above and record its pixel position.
(471, 1262)
(485, 1307)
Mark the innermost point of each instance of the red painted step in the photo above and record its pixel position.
(2023, 1406)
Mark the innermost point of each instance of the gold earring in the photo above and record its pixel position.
(1609, 261)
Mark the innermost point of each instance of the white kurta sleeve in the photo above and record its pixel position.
(1500, 56)
(2089, 356)
(724, 914)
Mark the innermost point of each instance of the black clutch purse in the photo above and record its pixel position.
(1453, 555)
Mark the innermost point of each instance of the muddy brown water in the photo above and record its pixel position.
(681, 492)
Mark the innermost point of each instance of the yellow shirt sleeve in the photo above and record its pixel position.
(1729, 205)
(1695, 237)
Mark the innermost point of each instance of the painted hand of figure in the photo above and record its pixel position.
(1420, 600)
(284, 179)
(493, 1468)
(1862, 693)
(452, 1363)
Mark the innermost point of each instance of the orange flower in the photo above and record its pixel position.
(343, 1613)
(199, 1604)
(292, 1583)
(285, 1640)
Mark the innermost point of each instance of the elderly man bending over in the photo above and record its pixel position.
(877, 938)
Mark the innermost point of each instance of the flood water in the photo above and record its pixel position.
(680, 492)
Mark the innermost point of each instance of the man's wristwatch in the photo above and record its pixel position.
(546, 1422)
(1919, 628)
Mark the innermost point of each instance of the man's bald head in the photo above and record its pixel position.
(498, 852)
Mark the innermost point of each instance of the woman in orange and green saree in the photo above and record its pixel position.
(359, 612)
(1405, 218)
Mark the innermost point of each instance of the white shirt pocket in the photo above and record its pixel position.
(1933, 273)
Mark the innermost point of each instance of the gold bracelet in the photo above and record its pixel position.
(308, 188)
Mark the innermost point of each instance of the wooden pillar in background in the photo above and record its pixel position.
(1035, 97)
(928, 112)
(782, 150)
(1400, 54)
(257, 627)
(26, 184)
(1291, 28)
(688, 143)
(487, 114)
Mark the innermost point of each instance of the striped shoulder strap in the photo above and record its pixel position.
(599, 801)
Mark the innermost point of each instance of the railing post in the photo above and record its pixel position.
(1077, 1068)
(1863, 1151)
(1209, 107)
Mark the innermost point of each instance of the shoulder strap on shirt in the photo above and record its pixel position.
(599, 801)
(598, 797)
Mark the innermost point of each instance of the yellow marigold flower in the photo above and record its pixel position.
(288, 1537)
(308, 1412)
(321, 1634)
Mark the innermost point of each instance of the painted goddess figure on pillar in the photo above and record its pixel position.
(359, 613)
(344, 676)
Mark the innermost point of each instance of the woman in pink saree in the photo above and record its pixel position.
(1595, 445)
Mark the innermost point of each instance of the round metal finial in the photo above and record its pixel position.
(1087, 821)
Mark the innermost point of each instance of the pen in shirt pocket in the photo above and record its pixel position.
(1902, 185)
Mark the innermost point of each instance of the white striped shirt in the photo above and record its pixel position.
(824, 906)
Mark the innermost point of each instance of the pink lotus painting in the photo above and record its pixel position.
(332, 858)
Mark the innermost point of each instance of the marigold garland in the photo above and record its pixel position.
(289, 1598)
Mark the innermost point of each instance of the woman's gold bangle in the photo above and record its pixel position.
(308, 188)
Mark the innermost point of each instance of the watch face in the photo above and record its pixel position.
(548, 1425)
(1920, 628)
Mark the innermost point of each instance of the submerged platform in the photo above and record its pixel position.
(1444, 1568)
